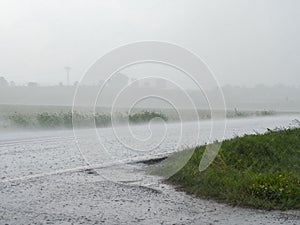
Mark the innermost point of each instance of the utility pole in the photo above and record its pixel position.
(68, 69)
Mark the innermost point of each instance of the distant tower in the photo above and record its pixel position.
(68, 69)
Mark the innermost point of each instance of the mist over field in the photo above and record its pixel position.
(261, 97)
(40, 106)
(251, 47)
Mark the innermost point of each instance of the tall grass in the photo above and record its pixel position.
(237, 113)
(64, 119)
(48, 117)
(146, 116)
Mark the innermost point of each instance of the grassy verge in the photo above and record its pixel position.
(260, 171)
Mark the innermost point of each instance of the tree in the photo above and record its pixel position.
(3, 82)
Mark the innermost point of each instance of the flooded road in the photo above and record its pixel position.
(45, 177)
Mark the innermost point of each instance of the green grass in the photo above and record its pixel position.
(65, 119)
(260, 171)
(146, 116)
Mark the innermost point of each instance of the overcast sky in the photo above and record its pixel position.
(245, 42)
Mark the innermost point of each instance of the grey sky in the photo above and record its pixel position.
(245, 42)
